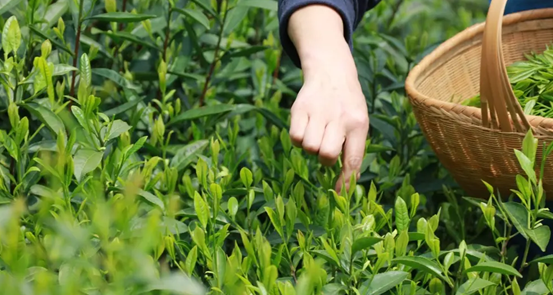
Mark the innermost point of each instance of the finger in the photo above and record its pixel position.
(313, 135)
(331, 146)
(298, 123)
(352, 157)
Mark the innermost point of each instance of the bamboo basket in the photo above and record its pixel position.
(478, 144)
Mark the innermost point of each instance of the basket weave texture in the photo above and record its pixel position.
(471, 150)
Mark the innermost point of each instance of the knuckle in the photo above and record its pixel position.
(354, 162)
(310, 147)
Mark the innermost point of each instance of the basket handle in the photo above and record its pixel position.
(497, 97)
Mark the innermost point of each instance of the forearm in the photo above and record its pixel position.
(317, 32)
(321, 23)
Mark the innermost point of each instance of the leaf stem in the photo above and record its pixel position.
(215, 59)
(77, 43)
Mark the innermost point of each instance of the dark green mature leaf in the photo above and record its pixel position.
(86, 160)
(548, 259)
(49, 118)
(121, 17)
(364, 243)
(118, 127)
(518, 216)
(263, 4)
(473, 285)
(495, 267)
(422, 263)
(202, 112)
(120, 36)
(54, 41)
(152, 199)
(541, 236)
(536, 287)
(124, 107)
(382, 282)
(6, 5)
(194, 14)
(187, 154)
(115, 77)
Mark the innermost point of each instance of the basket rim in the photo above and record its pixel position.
(467, 34)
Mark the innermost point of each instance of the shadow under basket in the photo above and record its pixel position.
(471, 150)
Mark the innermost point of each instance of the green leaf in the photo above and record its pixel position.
(536, 287)
(152, 199)
(422, 263)
(364, 243)
(85, 161)
(202, 209)
(85, 71)
(11, 35)
(540, 235)
(49, 118)
(548, 259)
(402, 215)
(124, 107)
(382, 282)
(7, 5)
(187, 154)
(115, 77)
(263, 4)
(121, 17)
(178, 284)
(473, 285)
(202, 112)
(55, 42)
(118, 127)
(518, 215)
(194, 14)
(526, 165)
(495, 267)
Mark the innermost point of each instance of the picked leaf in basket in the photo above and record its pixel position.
(532, 83)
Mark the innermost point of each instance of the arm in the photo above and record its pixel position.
(329, 117)
(307, 21)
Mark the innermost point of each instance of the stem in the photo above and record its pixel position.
(526, 250)
(215, 59)
(77, 42)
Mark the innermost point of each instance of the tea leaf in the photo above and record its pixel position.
(402, 215)
(495, 267)
(194, 14)
(121, 17)
(473, 285)
(11, 35)
(7, 5)
(152, 199)
(202, 209)
(177, 283)
(86, 160)
(364, 243)
(423, 264)
(202, 112)
(48, 117)
(383, 282)
(263, 4)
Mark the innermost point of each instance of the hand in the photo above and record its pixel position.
(330, 117)
(330, 114)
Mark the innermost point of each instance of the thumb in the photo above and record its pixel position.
(352, 157)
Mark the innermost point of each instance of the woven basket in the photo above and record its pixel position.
(478, 144)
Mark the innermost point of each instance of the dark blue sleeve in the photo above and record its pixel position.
(351, 11)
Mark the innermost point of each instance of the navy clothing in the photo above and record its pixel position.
(352, 12)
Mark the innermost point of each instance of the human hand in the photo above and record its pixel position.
(329, 116)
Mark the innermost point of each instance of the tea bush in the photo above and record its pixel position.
(145, 151)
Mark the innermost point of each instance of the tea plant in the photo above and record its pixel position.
(145, 151)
